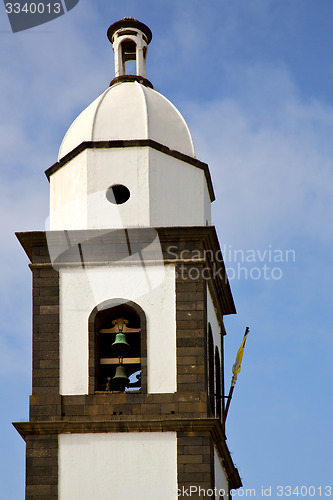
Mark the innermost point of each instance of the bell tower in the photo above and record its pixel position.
(129, 294)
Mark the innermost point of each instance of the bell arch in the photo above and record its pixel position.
(128, 52)
(117, 347)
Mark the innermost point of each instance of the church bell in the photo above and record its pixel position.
(120, 343)
(120, 378)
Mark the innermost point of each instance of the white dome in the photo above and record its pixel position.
(129, 111)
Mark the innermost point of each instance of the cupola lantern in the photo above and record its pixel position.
(130, 40)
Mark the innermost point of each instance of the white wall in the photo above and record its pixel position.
(78, 190)
(164, 191)
(177, 192)
(68, 188)
(211, 318)
(221, 482)
(118, 466)
(207, 207)
(151, 287)
(128, 167)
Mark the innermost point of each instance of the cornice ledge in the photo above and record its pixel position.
(212, 425)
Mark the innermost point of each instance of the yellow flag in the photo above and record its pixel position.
(237, 365)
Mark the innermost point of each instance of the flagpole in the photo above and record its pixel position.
(232, 387)
(235, 371)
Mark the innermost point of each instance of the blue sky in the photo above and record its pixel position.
(253, 79)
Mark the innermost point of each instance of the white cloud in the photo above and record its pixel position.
(270, 156)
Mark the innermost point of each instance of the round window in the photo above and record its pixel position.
(118, 194)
